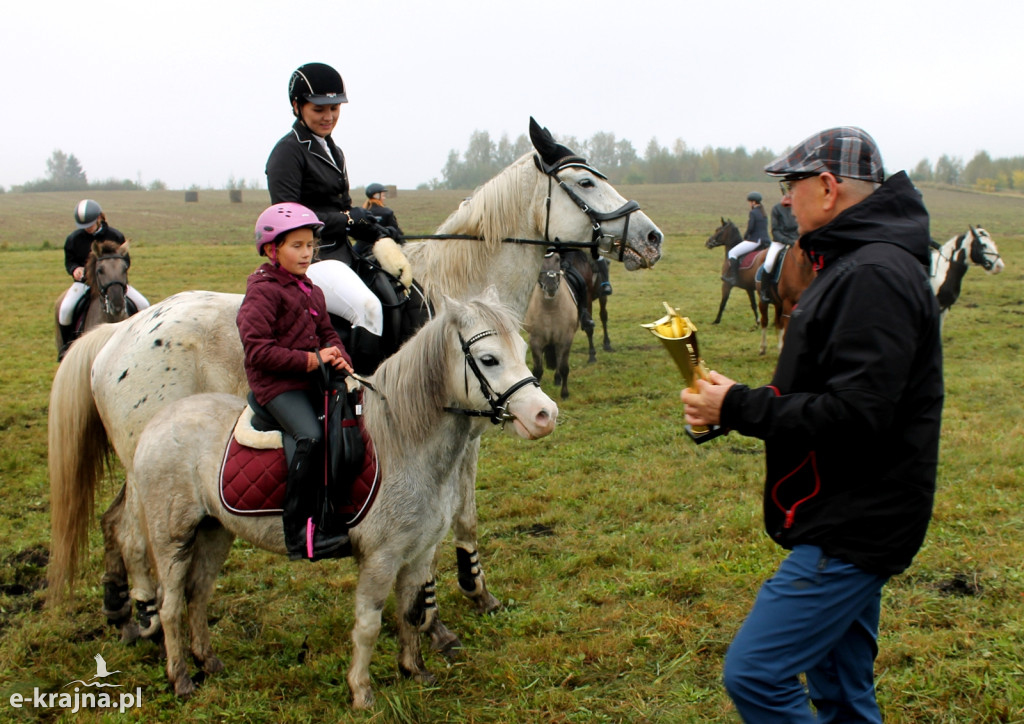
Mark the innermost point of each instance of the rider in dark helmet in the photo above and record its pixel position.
(92, 226)
(306, 167)
(376, 194)
(754, 239)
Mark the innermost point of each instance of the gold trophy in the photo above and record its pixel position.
(679, 335)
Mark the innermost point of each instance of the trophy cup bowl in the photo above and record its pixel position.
(679, 336)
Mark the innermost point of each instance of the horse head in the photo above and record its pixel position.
(727, 235)
(548, 280)
(494, 353)
(106, 273)
(550, 275)
(984, 252)
(590, 209)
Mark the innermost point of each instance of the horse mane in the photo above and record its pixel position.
(412, 385)
(493, 212)
(107, 246)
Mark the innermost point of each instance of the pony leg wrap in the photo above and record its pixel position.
(424, 609)
(117, 607)
(147, 616)
(471, 576)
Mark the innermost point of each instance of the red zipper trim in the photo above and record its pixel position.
(790, 513)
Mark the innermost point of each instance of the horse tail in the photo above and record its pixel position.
(79, 451)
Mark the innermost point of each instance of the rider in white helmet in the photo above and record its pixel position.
(92, 226)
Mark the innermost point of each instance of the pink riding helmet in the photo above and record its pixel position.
(282, 218)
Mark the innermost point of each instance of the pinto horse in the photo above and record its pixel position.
(420, 414)
(120, 376)
(106, 275)
(950, 263)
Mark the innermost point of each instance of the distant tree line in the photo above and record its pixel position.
(620, 162)
(64, 172)
(614, 157)
(982, 172)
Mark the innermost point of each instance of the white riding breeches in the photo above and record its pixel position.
(77, 290)
(347, 296)
(140, 301)
(772, 255)
(744, 247)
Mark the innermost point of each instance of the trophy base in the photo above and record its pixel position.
(702, 436)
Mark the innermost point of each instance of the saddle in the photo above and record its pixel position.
(747, 260)
(403, 313)
(254, 469)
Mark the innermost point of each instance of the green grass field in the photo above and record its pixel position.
(625, 556)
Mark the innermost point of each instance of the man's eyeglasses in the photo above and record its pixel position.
(786, 184)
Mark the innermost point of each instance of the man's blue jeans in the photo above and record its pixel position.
(817, 616)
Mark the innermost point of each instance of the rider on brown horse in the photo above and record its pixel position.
(92, 226)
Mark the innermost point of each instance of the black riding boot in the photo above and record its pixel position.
(366, 350)
(302, 534)
(733, 275)
(67, 336)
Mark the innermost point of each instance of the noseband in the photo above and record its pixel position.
(498, 403)
(978, 253)
(599, 241)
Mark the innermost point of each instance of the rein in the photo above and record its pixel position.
(599, 241)
(498, 414)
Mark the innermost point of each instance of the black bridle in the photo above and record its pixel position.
(499, 403)
(599, 243)
(108, 308)
(979, 255)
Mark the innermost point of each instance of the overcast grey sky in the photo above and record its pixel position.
(192, 92)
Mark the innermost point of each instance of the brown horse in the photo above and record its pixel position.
(581, 262)
(106, 275)
(796, 272)
(728, 235)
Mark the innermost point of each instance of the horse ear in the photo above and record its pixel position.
(96, 247)
(123, 249)
(550, 151)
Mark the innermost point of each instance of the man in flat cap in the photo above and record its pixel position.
(851, 428)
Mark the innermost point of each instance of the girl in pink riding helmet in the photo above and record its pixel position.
(286, 332)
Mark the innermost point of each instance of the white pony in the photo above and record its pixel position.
(115, 380)
(950, 263)
(173, 501)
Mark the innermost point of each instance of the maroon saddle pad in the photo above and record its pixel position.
(747, 260)
(252, 481)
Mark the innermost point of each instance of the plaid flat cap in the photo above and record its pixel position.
(844, 151)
